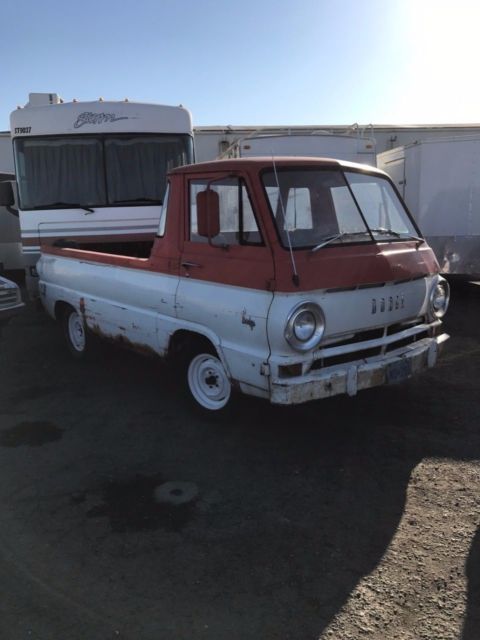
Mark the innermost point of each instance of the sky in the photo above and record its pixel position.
(250, 62)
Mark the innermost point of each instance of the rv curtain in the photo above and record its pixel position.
(81, 170)
(55, 171)
(137, 167)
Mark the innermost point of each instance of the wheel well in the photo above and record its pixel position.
(183, 339)
(60, 308)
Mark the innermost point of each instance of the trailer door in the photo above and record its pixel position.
(396, 170)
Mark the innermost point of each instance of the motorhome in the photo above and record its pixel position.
(440, 182)
(93, 172)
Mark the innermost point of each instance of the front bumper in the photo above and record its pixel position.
(354, 376)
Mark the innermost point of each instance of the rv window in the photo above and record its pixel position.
(137, 166)
(101, 171)
(52, 171)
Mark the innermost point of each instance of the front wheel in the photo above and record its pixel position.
(75, 333)
(208, 382)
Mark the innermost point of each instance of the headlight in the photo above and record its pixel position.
(305, 326)
(439, 298)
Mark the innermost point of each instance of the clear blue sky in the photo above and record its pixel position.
(255, 62)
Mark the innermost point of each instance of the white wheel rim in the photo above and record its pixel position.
(208, 382)
(76, 332)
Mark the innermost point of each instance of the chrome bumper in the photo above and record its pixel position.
(352, 377)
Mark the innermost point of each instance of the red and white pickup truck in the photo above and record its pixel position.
(291, 279)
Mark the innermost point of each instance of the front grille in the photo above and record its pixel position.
(331, 358)
(361, 336)
(7, 297)
(392, 329)
(344, 358)
(406, 341)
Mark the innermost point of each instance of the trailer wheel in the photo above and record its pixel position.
(75, 332)
(206, 381)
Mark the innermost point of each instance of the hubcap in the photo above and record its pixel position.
(208, 382)
(76, 332)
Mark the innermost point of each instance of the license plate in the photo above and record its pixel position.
(398, 371)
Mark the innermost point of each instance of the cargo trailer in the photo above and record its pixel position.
(440, 183)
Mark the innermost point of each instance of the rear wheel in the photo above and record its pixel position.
(75, 332)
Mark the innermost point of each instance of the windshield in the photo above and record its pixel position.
(314, 207)
(381, 207)
(97, 170)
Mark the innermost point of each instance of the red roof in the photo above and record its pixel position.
(258, 163)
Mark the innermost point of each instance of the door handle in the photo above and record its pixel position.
(187, 265)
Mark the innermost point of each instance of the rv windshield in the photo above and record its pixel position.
(98, 171)
(316, 208)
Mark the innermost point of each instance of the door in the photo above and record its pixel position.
(226, 281)
(396, 170)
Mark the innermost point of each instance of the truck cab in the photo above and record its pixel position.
(292, 279)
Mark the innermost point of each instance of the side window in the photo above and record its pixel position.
(237, 220)
(163, 213)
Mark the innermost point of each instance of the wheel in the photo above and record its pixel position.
(207, 381)
(75, 333)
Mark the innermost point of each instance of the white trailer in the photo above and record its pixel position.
(440, 182)
(353, 148)
(11, 257)
(94, 172)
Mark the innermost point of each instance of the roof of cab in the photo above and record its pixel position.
(259, 163)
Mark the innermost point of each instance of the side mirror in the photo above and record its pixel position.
(208, 214)
(6, 194)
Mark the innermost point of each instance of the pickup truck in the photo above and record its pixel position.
(291, 279)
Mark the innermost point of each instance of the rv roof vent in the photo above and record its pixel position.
(41, 99)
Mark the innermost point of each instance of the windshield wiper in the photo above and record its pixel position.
(337, 236)
(69, 205)
(397, 234)
(152, 200)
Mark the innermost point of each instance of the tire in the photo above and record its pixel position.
(75, 333)
(206, 382)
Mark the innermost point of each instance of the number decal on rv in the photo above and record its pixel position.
(23, 129)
